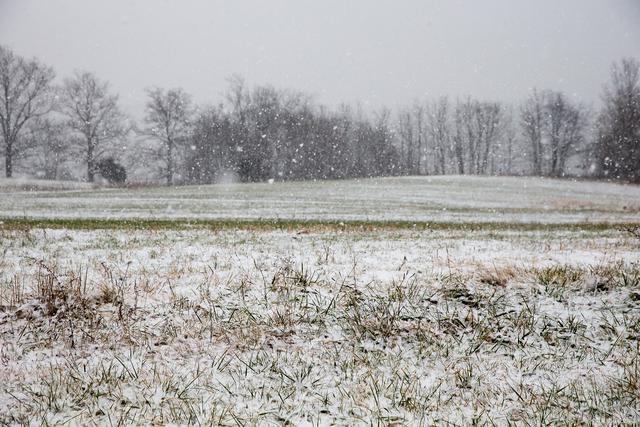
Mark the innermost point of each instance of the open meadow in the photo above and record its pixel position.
(466, 199)
(391, 301)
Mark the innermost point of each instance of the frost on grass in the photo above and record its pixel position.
(432, 198)
(269, 328)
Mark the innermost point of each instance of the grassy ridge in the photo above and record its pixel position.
(296, 225)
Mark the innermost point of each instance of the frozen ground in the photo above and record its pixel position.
(444, 199)
(272, 327)
(31, 185)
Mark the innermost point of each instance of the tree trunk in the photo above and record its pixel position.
(418, 167)
(90, 162)
(410, 168)
(8, 160)
(443, 160)
(509, 156)
(554, 156)
(169, 163)
(460, 157)
(537, 167)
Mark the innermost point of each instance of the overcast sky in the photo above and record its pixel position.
(376, 52)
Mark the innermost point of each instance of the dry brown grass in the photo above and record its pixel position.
(498, 276)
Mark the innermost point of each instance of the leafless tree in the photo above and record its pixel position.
(488, 125)
(26, 91)
(566, 125)
(460, 118)
(168, 121)
(412, 131)
(532, 122)
(439, 132)
(405, 133)
(618, 145)
(422, 166)
(478, 126)
(509, 138)
(238, 97)
(383, 157)
(554, 128)
(93, 114)
(263, 132)
(49, 147)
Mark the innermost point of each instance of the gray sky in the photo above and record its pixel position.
(377, 52)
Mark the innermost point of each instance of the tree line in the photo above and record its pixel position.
(263, 133)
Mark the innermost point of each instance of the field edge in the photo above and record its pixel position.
(301, 225)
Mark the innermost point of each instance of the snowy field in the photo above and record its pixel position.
(22, 185)
(324, 326)
(442, 199)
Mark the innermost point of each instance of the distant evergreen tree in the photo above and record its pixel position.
(112, 171)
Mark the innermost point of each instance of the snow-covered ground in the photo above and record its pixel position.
(445, 198)
(316, 325)
(30, 185)
(273, 327)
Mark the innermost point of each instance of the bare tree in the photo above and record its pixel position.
(381, 150)
(553, 127)
(213, 150)
(532, 121)
(488, 125)
(167, 120)
(93, 114)
(422, 166)
(25, 87)
(439, 131)
(468, 137)
(460, 118)
(406, 131)
(411, 130)
(238, 97)
(509, 138)
(478, 126)
(49, 147)
(566, 125)
(618, 145)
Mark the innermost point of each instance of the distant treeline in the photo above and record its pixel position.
(263, 133)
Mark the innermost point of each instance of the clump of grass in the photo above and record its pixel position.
(12, 293)
(558, 275)
(58, 307)
(62, 295)
(325, 254)
(557, 279)
(302, 277)
(61, 304)
(288, 277)
(497, 276)
(524, 322)
(462, 294)
(463, 374)
(616, 275)
(394, 311)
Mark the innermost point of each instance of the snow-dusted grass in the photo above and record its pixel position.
(387, 327)
(443, 198)
(8, 185)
